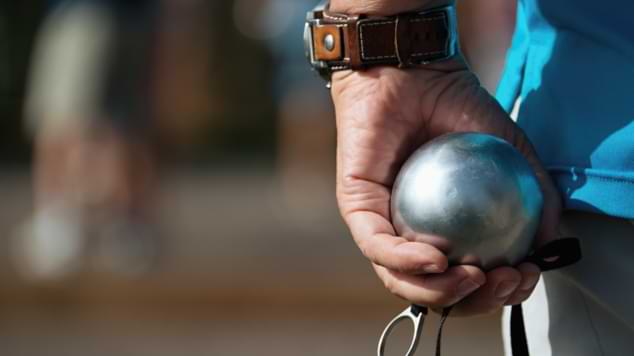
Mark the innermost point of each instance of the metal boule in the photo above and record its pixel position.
(473, 196)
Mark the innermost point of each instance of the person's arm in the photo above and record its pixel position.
(383, 115)
(486, 30)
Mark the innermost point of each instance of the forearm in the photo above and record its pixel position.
(486, 29)
(383, 7)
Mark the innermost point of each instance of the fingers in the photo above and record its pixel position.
(501, 283)
(505, 286)
(404, 256)
(436, 290)
(530, 276)
(468, 288)
(374, 236)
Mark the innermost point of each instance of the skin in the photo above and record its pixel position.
(383, 115)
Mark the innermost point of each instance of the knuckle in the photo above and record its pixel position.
(341, 198)
(390, 285)
(367, 250)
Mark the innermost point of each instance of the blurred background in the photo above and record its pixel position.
(167, 184)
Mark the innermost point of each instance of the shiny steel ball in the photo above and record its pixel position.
(473, 196)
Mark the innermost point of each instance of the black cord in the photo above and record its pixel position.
(443, 318)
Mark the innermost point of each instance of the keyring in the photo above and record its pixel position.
(416, 314)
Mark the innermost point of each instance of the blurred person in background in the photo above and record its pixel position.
(88, 109)
(111, 81)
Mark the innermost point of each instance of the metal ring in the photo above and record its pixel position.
(416, 314)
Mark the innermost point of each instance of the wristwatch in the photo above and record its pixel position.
(335, 41)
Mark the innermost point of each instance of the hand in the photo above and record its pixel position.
(383, 115)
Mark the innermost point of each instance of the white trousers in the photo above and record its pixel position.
(586, 309)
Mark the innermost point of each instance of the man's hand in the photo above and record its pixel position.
(383, 115)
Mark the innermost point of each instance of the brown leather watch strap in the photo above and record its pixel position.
(406, 40)
(345, 42)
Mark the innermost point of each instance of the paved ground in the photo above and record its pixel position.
(97, 335)
(251, 267)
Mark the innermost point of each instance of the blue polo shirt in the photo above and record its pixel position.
(571, 65)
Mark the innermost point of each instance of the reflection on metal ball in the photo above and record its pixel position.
(473, 196)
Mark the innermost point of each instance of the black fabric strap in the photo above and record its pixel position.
(417, 309)
(443, 318)
(519, 346)
(556, 254)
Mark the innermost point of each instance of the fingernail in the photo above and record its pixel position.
(505, 289)
(529, 282)
(432, 269)
(466, 287)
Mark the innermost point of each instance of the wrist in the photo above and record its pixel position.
(384, 7)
